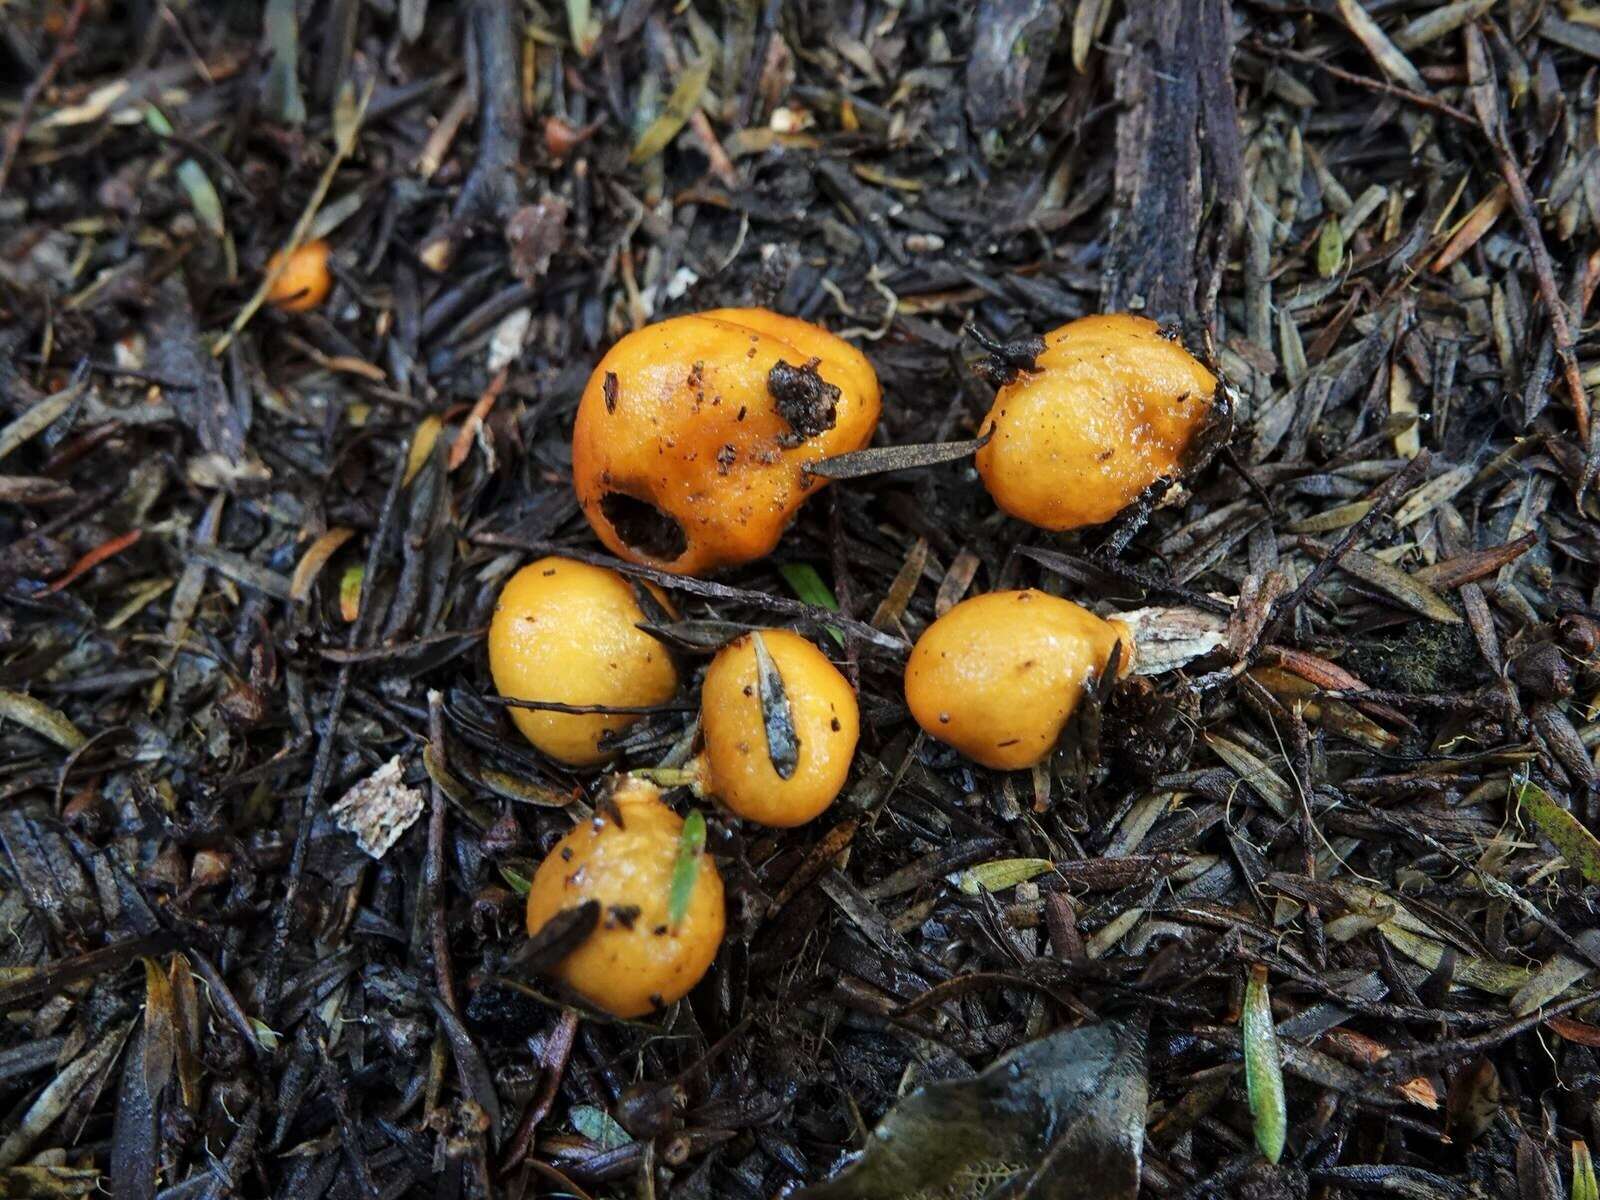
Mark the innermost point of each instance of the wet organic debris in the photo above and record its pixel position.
(240, 546)
(803, 398)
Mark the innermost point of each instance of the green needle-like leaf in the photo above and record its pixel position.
(1330, 248)
(1263, 1067)
(806, 583)
(686, 870)
(1584, 1186)
(1577, 845)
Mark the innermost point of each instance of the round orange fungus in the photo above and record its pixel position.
(1109, 408)
(305, 280)
(567, 632)
(998, 676)
(636, 960)
(792, 783)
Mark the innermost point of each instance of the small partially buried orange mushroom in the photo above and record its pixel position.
(998, 676)
(780, 726)
(568, 633)
(693, 434)
(304, 281)
(641, 955)
(1108, 406)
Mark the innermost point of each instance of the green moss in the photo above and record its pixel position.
(1424, 656)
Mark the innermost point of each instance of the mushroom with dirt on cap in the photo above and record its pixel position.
(1094, 416)
(693, 436)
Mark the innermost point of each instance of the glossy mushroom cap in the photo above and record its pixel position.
(737, 764)
(1111, 407)
(568, 632)
(635, 961)
(305, 281)
(998, 676)
(693, 434)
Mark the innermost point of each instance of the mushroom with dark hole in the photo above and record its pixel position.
(1107, 408)
(693, 436)
(568, 633)
(999, 675)
(640, 955)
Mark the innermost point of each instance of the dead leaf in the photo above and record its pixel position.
(379, 809)
(1062, 1117)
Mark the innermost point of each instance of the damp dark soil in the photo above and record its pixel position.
(1313, 915)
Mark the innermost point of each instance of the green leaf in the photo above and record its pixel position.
(523, 791)
(809, 585)
(192, 177)
(203, 196)
(599, 1126)
(1341, 516)
(1548, 983)
(157, 120)
(582, 27)
(350, 591)
(1000, 874)
(283, 100)
(516, 881)
(804, 581)
(680, 107)
(349, 109)
(686, 869)
(1062, 1116)
(265, 1034)
(1330, 248)
(1578, 846)
(1407, 590)
(1263, 1067)
(1502, 979)
(41, 718)
(1584, 1186)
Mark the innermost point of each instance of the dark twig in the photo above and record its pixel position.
(491, 188)
(283, 914)
(1383, 86)
(819, 617)
(1555, 307)
(433, 863)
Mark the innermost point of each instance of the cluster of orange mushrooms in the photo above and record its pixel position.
(692, 451)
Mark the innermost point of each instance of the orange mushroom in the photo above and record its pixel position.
(693, 434)
(1109, 406)
(999, 675)
(567, 632)
(640, 956)
(775, 768)
(305, 281)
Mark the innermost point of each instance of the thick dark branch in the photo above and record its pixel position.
(491, 188)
